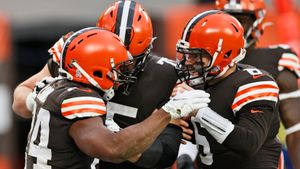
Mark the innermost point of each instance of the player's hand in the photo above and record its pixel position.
(41, 84)
(30, 100)
(186, 103)
(186, 131)
(180, 88)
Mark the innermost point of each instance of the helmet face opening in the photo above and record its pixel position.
(194, 65)
(97, 57)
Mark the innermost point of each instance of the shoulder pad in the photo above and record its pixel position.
(291, 62)
(256, 86)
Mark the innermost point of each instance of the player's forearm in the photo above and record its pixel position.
(19, 101)
(145, 133)
(163, 152)
(293, 146)
(23, 90)
(252, 131)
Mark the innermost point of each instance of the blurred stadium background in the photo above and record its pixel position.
(28, 28)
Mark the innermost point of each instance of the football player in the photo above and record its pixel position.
(238, 129)
(279, 60)
(68, 128)
(155, 78)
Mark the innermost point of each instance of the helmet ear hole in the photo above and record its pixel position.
(98, 74)
(236, 29)
(227, 54)
(69, 66)
(111, 13)
(140, 17)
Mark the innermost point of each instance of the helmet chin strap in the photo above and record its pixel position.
(109, 94)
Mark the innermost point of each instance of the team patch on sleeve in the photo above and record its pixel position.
(256, 91)
(289, 61)
(56, 50)
(83, 107)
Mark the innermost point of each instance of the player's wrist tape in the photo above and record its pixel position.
(218, 126)
(293, 129)
(30, 101)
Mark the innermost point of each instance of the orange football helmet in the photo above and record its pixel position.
(205, 35)
(96, 57)
(131, 22)
(254, 9)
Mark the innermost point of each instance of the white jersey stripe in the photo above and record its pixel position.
(124, 19)
(290, 56)
(257, 84)
(82, 114)
(289, 64)
(83, 106)
(269, 98)
(76, 99)
(254, 92)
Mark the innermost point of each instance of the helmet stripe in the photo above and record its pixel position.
(190, 25)
(129, 23)
(119, 18)
(124, 20)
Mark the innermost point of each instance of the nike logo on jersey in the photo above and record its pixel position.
(257, 76)
(255, 111)
(86, 90)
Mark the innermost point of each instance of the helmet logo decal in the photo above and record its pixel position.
(78, 74)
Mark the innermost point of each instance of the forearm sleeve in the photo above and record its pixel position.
(163, 152)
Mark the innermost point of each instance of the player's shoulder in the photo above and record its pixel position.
(282, 48)
(248, 73)
(67, 89)
(161, 67)
(74, 100)
(254, 85)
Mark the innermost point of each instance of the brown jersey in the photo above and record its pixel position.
(248, 99)
(58, 106)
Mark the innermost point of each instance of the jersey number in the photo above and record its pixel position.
(39, 139)
(161, 61)
(253, 71)
(206, 156)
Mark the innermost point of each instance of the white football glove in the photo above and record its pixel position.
(187, 102)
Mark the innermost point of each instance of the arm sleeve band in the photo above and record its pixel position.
(293, 129)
